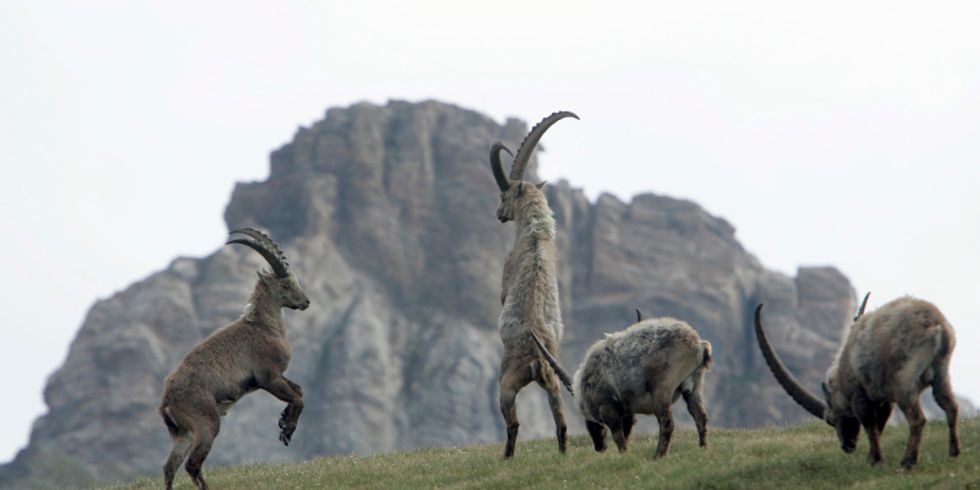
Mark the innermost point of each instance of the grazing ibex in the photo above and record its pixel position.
(643, 369)
(888, 356)
(232, 362)
(529, 291)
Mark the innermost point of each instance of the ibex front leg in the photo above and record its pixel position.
(292, 394)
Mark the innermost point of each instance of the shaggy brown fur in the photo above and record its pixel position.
(529, 288)
(247, 355)
(643, 369)
(888, 356)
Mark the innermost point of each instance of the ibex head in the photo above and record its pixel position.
(513, 189)
(833, 409)
(281, 282)
(847, 425)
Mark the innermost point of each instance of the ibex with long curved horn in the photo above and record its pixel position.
(247, 355)
(888, 356)
(643, 369)
(529, 290)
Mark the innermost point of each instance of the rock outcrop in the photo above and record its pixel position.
(387, 215)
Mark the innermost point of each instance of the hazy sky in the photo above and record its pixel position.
(838, 133)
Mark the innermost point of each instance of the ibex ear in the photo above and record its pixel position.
(264, 276)
(541, 184)
(520, 189)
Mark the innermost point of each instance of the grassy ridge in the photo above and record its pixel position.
(804, 456)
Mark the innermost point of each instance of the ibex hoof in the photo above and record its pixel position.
(954, 451)
(908, 463)
(284, 437)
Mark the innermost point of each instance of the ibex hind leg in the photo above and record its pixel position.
(205, 430)
(181, 446)
(511, 382)
(551, 386)
(917, 420)
(180, 439)
(695, 407)
(942, 392)
(666, 420)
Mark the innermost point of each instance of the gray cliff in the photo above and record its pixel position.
(387, 215)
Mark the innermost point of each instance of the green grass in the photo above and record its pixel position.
(806, 456)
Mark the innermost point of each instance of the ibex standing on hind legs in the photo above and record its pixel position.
(888, 356)
(247, 355)
(529, 292)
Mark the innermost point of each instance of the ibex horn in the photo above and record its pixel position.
(264, 245)
(864, 304)
(497, 167)
(806, 400)
(531, 141)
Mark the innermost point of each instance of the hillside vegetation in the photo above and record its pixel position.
(805, 456)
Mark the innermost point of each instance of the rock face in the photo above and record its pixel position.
(388, 216)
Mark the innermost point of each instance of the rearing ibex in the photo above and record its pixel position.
(529, 291)
(888, 356)
(232, 362)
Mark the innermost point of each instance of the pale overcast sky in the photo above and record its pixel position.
(842, 133)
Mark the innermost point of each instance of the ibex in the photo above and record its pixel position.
(247, 355)
(529, 290)
(888, 356)
(643, 369)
